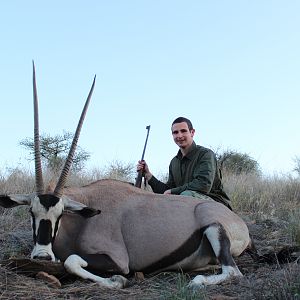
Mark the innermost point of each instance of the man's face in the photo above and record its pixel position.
(183, 137)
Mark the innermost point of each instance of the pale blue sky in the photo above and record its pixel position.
(232, 67)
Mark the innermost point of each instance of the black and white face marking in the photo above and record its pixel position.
(46, 211)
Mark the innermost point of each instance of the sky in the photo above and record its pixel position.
(231, 67)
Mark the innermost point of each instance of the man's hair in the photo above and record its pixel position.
(183, 119)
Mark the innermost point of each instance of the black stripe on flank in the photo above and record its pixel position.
(185, 250)
(48, 200)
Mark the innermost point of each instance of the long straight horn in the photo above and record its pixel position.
(64, 174)
(39, 184)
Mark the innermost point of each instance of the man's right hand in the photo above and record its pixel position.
(142, 165)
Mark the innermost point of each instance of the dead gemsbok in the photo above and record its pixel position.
(136, 231)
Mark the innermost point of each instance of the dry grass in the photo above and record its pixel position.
(273, 198)
(270, 206)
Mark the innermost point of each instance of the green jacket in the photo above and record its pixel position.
(197, 171)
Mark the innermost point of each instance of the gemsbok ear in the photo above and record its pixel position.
(79, 208)
(8, 201)
(88, 212)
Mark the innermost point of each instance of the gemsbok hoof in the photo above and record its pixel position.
(197, 283)
(119, 281)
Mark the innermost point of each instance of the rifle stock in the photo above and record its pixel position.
(139, 178)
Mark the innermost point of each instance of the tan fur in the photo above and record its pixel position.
(137, 228)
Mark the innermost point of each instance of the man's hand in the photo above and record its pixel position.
(167, 192)
(142, 165)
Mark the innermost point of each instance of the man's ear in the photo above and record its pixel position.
(192, 132)
(79, 208)
(8, 201)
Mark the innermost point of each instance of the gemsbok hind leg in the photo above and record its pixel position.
(220, 243)
(74, 264)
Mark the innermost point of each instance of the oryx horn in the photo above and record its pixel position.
(64, 174)
(39, 184)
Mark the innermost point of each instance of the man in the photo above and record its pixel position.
(193, 171)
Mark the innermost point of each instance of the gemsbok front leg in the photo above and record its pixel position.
(74, 264)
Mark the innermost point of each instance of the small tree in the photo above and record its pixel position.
(238, 163)
(296, 169)
(55, 149)
(119, 170)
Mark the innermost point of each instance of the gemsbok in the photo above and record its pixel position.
(137, 230)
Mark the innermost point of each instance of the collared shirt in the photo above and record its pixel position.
(196, 171)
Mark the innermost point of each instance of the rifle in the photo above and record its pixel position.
(140, 175)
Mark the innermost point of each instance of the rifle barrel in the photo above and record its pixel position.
(138, 181)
